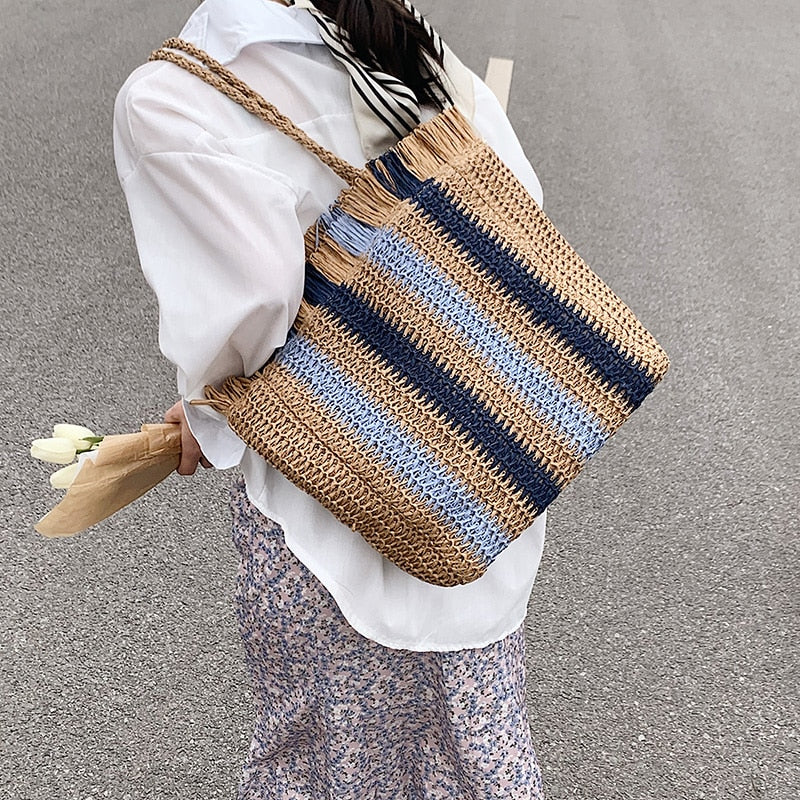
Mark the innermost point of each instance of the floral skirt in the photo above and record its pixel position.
(340, 716)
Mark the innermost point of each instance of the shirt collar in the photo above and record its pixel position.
(224, 27)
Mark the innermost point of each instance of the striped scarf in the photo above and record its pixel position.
(386, 109)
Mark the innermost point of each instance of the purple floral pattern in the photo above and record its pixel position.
(340, 716)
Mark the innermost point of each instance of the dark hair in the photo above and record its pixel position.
(384, 34)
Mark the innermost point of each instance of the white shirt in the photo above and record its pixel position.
(219, 201)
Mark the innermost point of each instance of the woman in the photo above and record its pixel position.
(368, 683)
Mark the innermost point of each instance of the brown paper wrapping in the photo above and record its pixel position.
(123, 469)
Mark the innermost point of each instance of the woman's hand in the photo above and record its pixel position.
(191, 454)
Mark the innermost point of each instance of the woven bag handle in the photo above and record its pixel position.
(214, 74)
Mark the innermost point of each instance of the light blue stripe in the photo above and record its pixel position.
(417, 468)
(349, 233)
(560, 409)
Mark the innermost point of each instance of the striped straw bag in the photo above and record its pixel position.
(454, 364)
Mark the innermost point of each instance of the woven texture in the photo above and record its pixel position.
(454, 364)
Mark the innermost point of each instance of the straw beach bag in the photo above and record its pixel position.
(454, 364)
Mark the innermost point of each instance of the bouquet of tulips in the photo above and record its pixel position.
(63, 447)
(110, 471)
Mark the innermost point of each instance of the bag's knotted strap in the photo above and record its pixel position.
(216, 75)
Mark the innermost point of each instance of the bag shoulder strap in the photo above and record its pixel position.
(216, 75)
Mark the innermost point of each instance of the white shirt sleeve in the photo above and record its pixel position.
(221, 247)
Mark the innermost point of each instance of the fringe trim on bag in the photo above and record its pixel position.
(222, 398)
(437, 143)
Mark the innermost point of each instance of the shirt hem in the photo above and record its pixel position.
(365, 630)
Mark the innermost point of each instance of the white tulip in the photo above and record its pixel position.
(56, 450)
(74, 432)
(63, 478)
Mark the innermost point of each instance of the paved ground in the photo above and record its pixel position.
(663, 629)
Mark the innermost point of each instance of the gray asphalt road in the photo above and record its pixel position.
(663, 628)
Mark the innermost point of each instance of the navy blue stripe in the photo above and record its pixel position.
(317, 288)
(453, 401)
(397, 180)
(617, 368)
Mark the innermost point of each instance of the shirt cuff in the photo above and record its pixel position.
(220, 445)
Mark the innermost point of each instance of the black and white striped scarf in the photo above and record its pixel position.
(386, 109)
